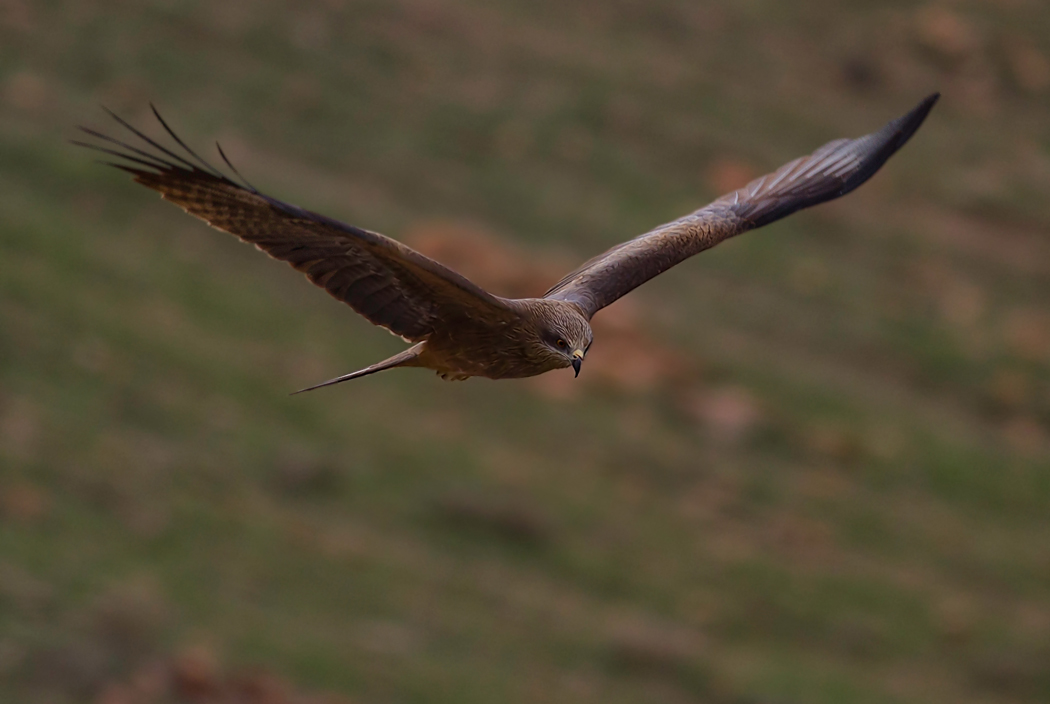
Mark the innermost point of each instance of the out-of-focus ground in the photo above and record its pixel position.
(808, 466)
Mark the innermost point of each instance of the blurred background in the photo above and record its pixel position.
(810, 465)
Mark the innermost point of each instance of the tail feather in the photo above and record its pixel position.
(401, 359)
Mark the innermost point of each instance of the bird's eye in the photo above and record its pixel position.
(561, 344)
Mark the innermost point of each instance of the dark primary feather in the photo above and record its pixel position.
(831, 171)
(387, 282)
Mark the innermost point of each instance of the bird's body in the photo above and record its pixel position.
(525, 346)
(459, 329)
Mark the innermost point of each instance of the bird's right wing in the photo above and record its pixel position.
(389, 283)
(832, 171)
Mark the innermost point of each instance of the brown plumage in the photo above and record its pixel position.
(461, 330)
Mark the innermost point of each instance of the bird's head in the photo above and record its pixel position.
(568, 336)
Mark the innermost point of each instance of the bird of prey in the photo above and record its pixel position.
(458, 329)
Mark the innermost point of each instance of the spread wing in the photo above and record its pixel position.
(387, 282)
(832, 171)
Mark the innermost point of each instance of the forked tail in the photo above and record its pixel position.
(401, 359)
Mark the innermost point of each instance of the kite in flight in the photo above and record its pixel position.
(458, 329)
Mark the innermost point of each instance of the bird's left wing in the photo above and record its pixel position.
(388, 283)
(832, 171)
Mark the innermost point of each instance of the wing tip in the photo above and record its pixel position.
(886, 142)
(154, 155)
(902, 129)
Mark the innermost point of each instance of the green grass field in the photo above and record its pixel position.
(834, 488)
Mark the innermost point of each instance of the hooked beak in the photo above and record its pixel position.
(577, 360)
